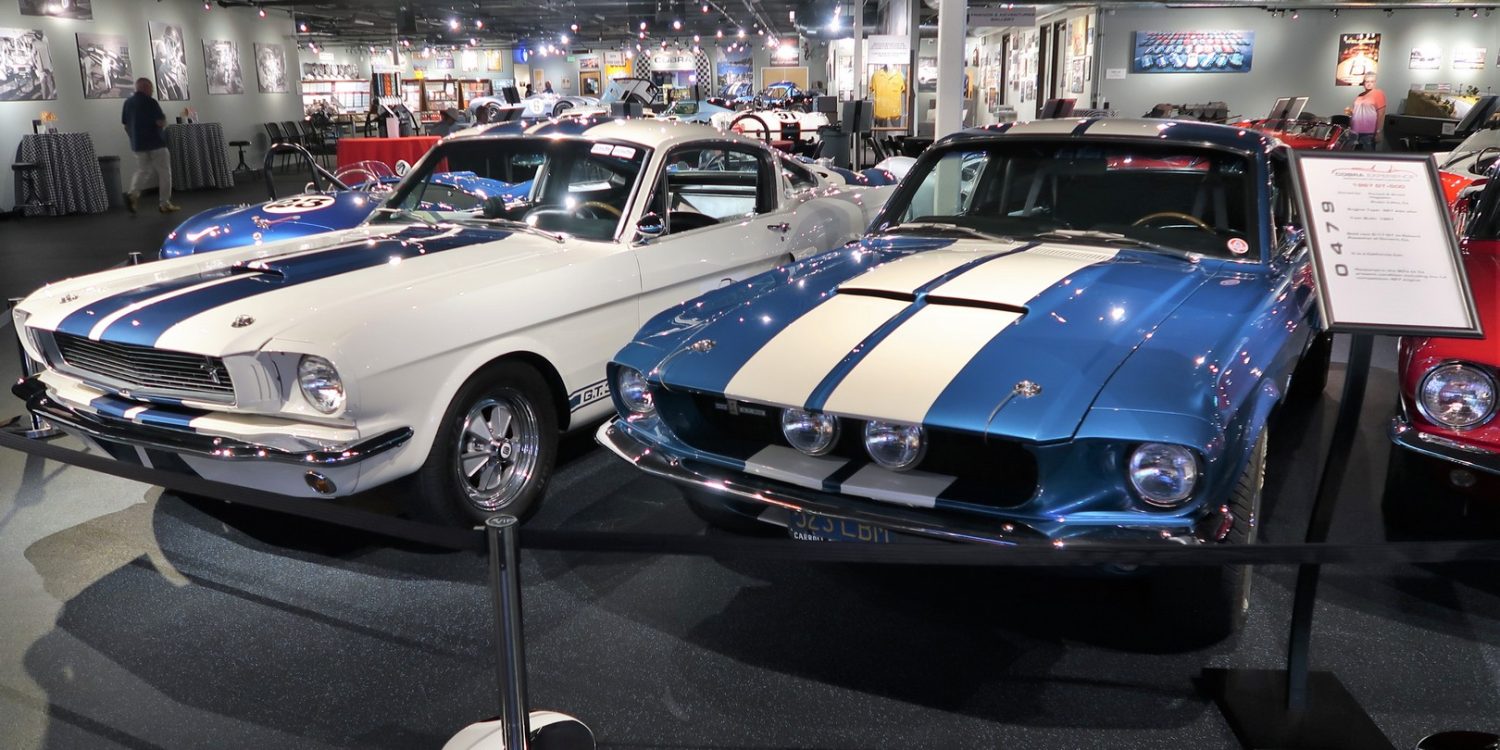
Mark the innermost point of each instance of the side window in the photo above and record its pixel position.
(798, 176)
(709, 184)
(1285, 211)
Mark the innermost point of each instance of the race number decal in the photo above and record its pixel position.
(298, 204)
(402, 167)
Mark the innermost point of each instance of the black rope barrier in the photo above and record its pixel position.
(724, 546)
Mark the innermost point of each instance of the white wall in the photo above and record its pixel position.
(1292, 56)
(241, 114)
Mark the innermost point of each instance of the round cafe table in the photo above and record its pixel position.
(199, 157)
(386, 150)
(67, 173)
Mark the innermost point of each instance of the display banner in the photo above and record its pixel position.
(668, 60)
(1359, 56)
(998, 16)
(1385, 257)
(887, 49)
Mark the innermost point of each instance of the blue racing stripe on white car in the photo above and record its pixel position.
(144, 326)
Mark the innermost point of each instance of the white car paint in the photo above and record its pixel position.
(406, 335)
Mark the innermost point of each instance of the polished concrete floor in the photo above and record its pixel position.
(131, 618)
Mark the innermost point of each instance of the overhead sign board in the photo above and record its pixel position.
(887, 49)
(1385, 256)
(667, 60)
(1002, 15)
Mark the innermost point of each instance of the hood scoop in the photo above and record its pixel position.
(934, 299)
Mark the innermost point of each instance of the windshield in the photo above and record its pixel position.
(572, 186)
(684, 107)
(1195, 200)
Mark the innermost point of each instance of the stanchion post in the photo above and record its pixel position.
(510, 646)
(1298, 709)
(37, 428)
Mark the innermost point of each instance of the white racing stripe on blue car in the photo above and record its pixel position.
(904, 374)
(906, 275)
(1016, 279)
(787, 369)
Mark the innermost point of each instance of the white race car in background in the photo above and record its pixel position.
(774, 125)
(450, 338)
(546, 106)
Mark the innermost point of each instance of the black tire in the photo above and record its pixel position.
(561, 108)
(441, 493)
(1310, 376)
(1210, 603)
(715, 510)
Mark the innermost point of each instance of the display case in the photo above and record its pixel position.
(344, 95)
(438, 95)
(411, 94)
(473, 88)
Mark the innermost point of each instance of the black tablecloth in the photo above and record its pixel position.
(68, 176)
(199, 159)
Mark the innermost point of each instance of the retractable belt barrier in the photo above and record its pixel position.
(916, 553)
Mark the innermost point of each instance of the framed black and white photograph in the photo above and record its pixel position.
(270, 68)
(104, 62)
(27, 74)
(82, 10)
(169, 55)
(221, 60)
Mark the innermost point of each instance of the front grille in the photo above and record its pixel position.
(996, 473)
(147, 369)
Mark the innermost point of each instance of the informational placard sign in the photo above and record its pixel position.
(1002, 15)
(1384, 254)
(887, 49)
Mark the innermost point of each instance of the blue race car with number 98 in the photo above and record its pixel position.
(1056, 332)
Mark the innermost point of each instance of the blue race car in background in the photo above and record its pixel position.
(346, 200)
(1016, 355)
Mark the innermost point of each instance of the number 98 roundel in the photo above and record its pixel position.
(298, 204)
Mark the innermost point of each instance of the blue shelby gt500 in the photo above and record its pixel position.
(1057, 331)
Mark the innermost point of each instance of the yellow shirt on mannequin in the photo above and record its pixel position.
(888, 87)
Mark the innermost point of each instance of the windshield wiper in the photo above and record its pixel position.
(1113, 238)
(942, 226)
(408, 214)
(521, 225)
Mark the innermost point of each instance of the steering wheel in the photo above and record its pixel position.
(1191, 219)
(591, 205)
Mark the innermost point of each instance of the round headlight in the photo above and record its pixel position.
(897, 447)
(1163, 474)
(813, 433)
(1457, 395)
(321, 384)
(634, 392)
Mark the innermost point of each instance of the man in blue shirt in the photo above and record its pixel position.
(145, 122)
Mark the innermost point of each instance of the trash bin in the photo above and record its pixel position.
(109, 166)
(834, 144)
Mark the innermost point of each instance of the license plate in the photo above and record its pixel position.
(809, 527)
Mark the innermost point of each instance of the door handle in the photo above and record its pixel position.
(726, 281)
(782, 227)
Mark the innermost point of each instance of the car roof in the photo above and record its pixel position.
(650, 133)
(1084, 128)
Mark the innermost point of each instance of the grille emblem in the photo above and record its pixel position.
(1027, 389)
(702, 346)
(242, 321)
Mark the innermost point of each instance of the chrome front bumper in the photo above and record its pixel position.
(1402, 433)
(918, 522)
(188, 442)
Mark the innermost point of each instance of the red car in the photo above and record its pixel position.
(1445, 458)
(1303, 136)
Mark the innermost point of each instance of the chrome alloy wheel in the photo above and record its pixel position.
(497, 451)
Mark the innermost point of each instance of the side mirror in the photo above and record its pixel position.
(650, 227)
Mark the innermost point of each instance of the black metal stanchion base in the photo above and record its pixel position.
(1254, 702)
(31, 429)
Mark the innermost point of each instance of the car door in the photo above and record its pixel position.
(724, 220)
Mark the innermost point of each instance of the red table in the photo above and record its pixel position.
(387, 150)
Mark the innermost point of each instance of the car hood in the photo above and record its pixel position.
(237, 300)
(238, 226)
(1012, 339)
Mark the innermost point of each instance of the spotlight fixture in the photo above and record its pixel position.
(760, 32)
(563, 38)
(676, 25)
(302, 27)
(718, 33)
(473, 41)
(705, 7)
(205, 5)
(742, 33)
(574, 27)
(261, 12)
(1296, 15)
(453, 24)
(695, 39)
(1475, 14)
(478, 24)
(643, 25)
(1335, 12)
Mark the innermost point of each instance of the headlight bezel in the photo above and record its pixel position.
(1193, 474)
(913, 461)
(1420, 396)
(308, 367)
(640, 405)
(830, 440)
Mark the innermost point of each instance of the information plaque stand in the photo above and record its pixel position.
(1386, 261)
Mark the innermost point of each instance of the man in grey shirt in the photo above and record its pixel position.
(145, 123)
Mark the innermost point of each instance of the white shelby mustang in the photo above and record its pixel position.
(451, 337)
